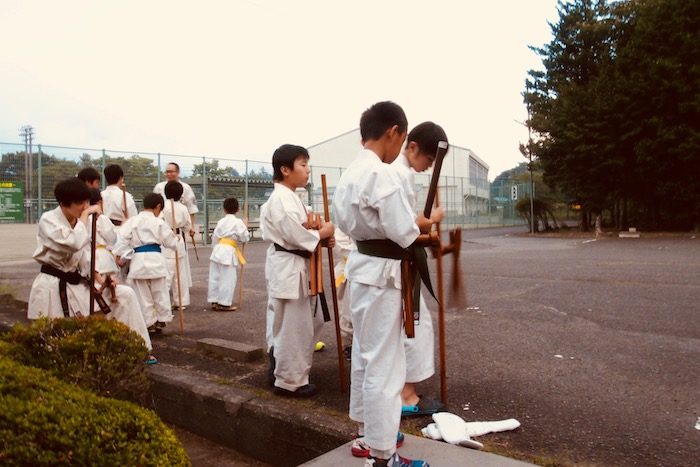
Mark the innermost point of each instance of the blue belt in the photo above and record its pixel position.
(148, 248)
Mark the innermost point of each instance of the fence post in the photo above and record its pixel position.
(206, 200)
(102, 172)
(245, 197)
(39, 196)
(158, 170)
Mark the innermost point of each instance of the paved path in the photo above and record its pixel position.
(592, 345)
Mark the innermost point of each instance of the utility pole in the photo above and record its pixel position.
(528, 149)
(27, 132)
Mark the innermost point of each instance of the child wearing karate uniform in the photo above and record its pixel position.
(182, 226)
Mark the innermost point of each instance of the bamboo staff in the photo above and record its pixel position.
(334, 292)
(240, 278)
(441, 313)
(177, 270)
(93, 246)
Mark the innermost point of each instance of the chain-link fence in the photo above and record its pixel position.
(27, 180)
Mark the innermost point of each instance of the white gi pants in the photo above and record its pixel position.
(293, 339)
(420, 350)
(378, 363)
(154, 300)
(45, 301)
(185, 280)
(222, 283)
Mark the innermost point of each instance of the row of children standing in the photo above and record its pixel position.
(138, 249)
(374, 205)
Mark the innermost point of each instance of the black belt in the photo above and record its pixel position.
(414, 254)
(302, 253)
(72, 278)
(116, 222)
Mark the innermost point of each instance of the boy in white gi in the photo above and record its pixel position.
(106, 238)
(230, 232)
(140, 238)
(181, 225)
(63, 250)
(418, 156)
(172, 174)
(283, 222)
(371, 206)
(117, 204)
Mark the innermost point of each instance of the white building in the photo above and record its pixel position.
(463, 179)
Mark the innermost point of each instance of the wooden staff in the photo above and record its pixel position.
(240, 276)
(441, 314)
(334, 292)
(313, 275)
(177, 270)
(194, 244)
(93, 246)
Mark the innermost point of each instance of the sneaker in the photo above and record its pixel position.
(424, 406)
(307, 390)
(395, 461)
(347, 352)
(360, 449)
(160, 324)
(151, 360)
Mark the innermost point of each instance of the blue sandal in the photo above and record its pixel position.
(424, 406)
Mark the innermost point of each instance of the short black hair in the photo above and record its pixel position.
(380, 117)
(113, 173)
(284, 156)
(153, 200)
(88, 174)
(95, 196)
(231, 205)
(427, 135)
(175, 164)
(72, 190)
(173, 190)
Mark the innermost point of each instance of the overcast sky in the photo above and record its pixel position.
(238, 78)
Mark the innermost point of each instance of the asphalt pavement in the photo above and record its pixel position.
(593, 345)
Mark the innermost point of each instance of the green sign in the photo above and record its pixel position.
(11, 202)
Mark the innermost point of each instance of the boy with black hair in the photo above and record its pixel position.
(63, 250)
(140, 239)
(225, 257)
(283, 220)
(181, 224)
(172, 174)
(117, 204)
(418, 156)
(371, 206)
(90, 176)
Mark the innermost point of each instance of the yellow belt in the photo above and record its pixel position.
(100, 246)
(228, 241)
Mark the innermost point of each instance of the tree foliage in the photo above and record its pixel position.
(616, 109)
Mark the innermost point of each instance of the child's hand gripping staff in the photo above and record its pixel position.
(314, 222)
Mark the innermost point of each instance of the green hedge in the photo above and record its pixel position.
(45, 421)
(100, 355)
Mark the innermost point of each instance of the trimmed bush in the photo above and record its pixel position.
(45, 421)
(100, 355)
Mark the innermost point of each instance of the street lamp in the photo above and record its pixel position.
(529, 168)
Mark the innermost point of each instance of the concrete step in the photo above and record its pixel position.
(436, 453)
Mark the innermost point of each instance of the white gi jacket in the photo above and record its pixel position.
(105, 241)
(281, 219)
(232, 228)
(143, 229)
(113, 203)
(187, 198)
(183, 221)
(370, 203)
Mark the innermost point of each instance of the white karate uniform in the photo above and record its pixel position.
(184, 223)
(113, 204)
(287, 277)
(371, 203)
(68, 249)
(105, 241)
(343, 246)
(148, 270)
(223, 262)
(188, 198)
(420, 350)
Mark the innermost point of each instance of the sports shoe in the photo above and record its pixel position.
(424, 406)
(151, 360)
(307, 390)
(360, 449)
(347, 352)
(395, 461)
